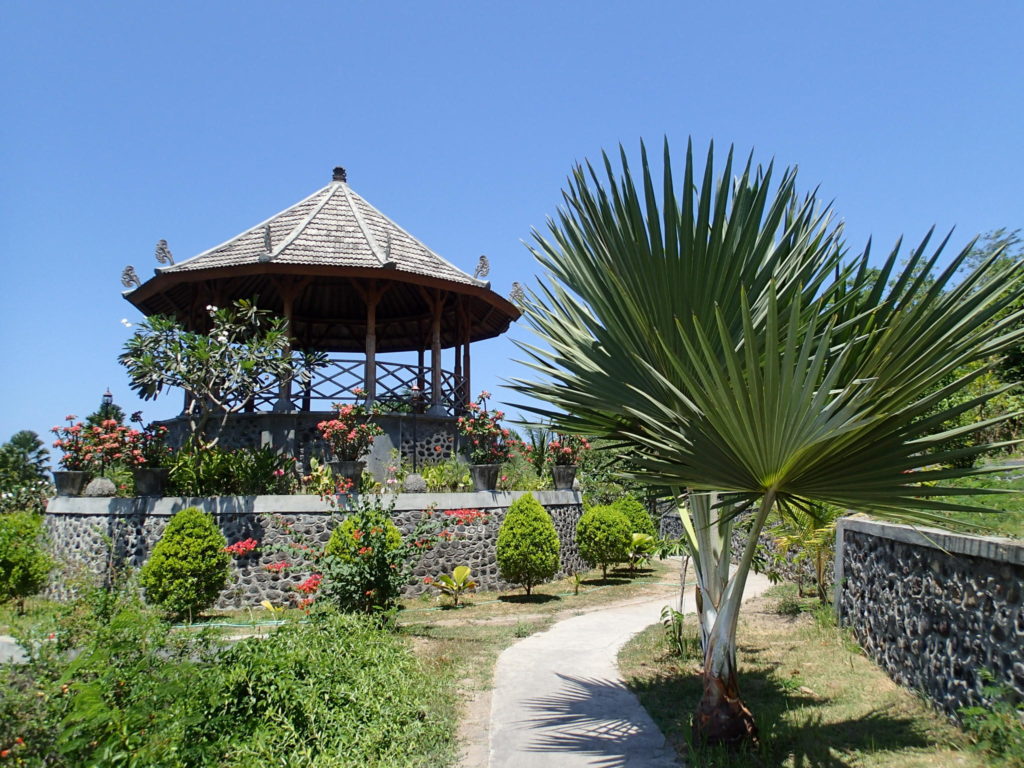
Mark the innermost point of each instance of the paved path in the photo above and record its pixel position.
(558, 699)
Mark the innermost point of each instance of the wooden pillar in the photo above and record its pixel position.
(466, 379)
(436, 408)
(284, 399)
(370, 375)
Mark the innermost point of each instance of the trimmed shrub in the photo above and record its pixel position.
(24, 564)
(639, 519)
(188, 567)
(604, 537)
(527, 546)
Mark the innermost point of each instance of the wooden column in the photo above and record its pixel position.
(370, 376)
(436, 408)
(466, 379)
(284, 398)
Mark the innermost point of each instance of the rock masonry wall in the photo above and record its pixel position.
(86, 534)
(932, 608)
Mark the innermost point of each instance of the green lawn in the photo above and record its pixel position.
(1007, 518)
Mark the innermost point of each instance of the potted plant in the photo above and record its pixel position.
(564, 453)
(350, 435)
(76, 459)
(148, 457)
(486, 445)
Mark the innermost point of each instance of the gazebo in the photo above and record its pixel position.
(347, 279)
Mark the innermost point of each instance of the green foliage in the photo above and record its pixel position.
(637, 514)
(681, 643)
(366, 568)
(456, 584)
(23, 460)
(212, 471)
(246, 353)
(24, 563)
(997, 727)
(336, 691)
(448, 475)
(188, 566)
(527, 545)
(642, 548)
(604, 537)
(518, 474)
(28, 497)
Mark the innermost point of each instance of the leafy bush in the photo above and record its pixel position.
(350, 536)
(527, 546)
(212, 471)
(337, 691)
(604, 537)
(448, 475)
(31, 496)
(24, 564)
(637, 514)
(997, 727)
(189, 565)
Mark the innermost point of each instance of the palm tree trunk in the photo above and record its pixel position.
(722, 717)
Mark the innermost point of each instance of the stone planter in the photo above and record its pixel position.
(564, 475)
(351, 470)
(69, 482)
(150, 481)
(485, 476)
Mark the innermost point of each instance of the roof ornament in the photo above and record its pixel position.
(388, 263)
(163, 253)
(339, 174)
(517, 295)
(483, 268)
(129, 278)
(268, 246)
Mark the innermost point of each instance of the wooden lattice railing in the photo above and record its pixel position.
(335, 382)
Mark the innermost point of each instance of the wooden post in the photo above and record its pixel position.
(370, 375)
(436, 408)
(284, 399)
(465, 369)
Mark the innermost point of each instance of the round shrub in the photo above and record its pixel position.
(604, 537)
(639, 519)
(188, 567)
(527, 546)
(349, 537)
(24, 564)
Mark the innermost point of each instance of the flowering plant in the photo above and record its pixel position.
(149, 443)
(77, 454)
(487, 441)
(567, 449)
(242, 548)
(351, 434)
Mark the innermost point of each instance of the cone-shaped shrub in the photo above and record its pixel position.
(639, 519)
(604, 537)
(24, 564)
(527, 547)
(188, 567)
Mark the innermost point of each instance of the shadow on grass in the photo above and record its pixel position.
(608, 581)
(534, 599)
(804, 740)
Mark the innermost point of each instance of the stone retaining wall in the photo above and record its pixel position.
(85, 533)
(933, 608)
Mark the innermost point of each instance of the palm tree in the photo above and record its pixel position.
(724, 340)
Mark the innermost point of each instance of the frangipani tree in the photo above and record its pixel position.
(719, 334)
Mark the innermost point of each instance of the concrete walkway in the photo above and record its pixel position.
(558, 699)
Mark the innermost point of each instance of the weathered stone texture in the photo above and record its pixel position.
(934, 609)
(85, 533)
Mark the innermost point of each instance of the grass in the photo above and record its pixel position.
(817, 700)
(1011, 521)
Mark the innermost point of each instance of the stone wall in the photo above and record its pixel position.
(85, 533)
(933, 608)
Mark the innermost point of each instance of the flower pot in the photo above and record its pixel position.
(351, 470)
(564, 475)
(485, 476)
(150, 481)
(70, 482)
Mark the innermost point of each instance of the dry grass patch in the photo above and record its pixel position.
(817, 699)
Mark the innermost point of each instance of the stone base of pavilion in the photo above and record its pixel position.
(418, 438)
(87, 533)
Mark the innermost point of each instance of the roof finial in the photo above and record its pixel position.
(129, 278)
(340, 174)
(163, 253)
(483, 268)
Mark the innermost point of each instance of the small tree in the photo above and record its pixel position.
(604, 537)
(527, 546)
(24, 564)
(639, 519)
(246, 353)
(189, 565)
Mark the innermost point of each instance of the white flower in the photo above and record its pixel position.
(125, 323)
(211, 308)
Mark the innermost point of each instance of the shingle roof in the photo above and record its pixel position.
(333, 227)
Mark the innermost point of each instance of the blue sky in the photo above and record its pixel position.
(125, 123)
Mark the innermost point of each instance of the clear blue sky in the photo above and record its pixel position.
(126, 123)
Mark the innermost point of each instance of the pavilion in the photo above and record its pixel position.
(347, 279)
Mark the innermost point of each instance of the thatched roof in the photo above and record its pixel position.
(330, 248)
